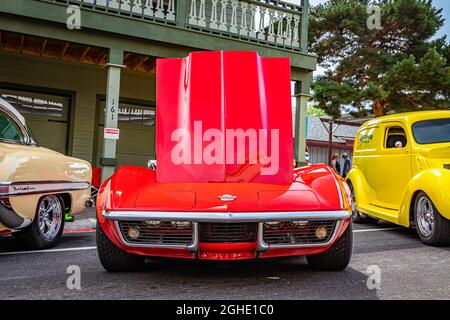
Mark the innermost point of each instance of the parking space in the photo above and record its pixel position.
(407, 269)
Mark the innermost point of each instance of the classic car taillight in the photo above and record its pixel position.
(4, 190)
(5, 202)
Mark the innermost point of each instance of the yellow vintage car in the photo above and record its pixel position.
(401, 173)
(38, 186)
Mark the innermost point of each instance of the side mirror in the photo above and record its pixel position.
(151, 164)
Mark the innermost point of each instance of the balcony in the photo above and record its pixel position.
(271, 23)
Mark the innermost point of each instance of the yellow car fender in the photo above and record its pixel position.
(436, 184)
(361, 188)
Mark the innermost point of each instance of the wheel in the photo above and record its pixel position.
(432, 228)
(48, 224)
(114, 259)
(337, 257)
(358, 217)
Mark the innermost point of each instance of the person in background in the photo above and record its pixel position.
(347, 165)
(335, 164)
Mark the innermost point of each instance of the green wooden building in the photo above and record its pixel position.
(72, 67)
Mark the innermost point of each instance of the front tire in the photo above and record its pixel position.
(337, 257)
(432, 228)
(48, 225)
(114, 259)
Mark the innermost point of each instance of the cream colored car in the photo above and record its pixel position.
(38, 186)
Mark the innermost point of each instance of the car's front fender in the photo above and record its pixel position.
(436, 184)
(363, 192)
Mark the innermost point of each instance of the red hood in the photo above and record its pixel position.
(312, 188)
(206, 100)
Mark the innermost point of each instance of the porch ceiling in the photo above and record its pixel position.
(70, 51)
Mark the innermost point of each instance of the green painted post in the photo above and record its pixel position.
(304, 27)
(114, 66)
(181, 13)
(301, 100)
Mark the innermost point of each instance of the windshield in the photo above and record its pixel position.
(432, 131)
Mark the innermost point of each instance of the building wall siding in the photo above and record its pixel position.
(85, 81)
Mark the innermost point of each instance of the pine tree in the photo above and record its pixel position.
(392, 69)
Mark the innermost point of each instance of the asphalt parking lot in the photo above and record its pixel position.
(408, 270)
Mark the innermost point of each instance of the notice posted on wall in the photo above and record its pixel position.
(111, 133)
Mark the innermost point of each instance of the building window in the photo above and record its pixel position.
(8, 129)
(133, 113)
(36, 104)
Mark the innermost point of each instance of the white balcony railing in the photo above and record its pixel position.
(159, 9)
(268, 22)
(261, 20)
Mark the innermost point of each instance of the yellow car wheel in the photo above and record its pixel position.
(432, 228)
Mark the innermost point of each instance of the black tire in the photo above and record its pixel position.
(33, 237)
(337, 257)
(358, 217)
(114, 259)
(440, 232)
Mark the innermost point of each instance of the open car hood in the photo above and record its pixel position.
(224, 117)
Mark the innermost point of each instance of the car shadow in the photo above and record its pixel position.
(278, 278)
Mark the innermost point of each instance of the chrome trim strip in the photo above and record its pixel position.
(37, 187)
(262, 245)
(193, 247)
(195, 240)
(226, 217)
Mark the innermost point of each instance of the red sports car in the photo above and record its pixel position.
(225, 187)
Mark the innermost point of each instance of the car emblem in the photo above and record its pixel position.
(227, 197)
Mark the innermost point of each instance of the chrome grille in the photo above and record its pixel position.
(164, 234)
(227, 232)
(287, 233)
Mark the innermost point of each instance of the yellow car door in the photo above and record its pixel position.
(394, 165)
(365, 159)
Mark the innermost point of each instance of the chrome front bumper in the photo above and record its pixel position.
(229, 217)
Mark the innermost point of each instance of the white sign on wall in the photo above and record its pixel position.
(111, 133)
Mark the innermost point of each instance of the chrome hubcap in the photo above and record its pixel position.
(425, 216)
(50, 217)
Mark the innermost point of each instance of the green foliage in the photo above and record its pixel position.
(313, 111)
(396, 68)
